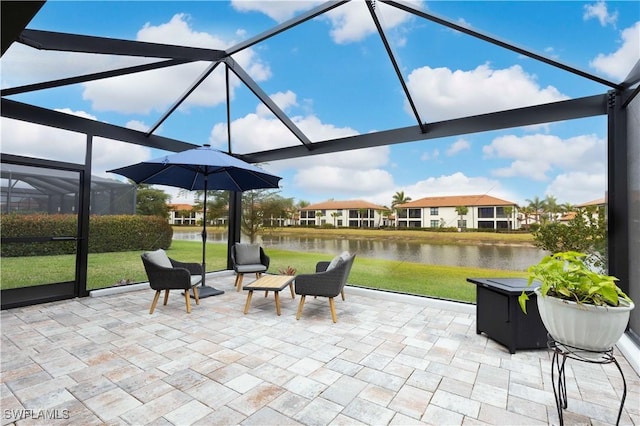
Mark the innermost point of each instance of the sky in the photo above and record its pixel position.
(332, 77)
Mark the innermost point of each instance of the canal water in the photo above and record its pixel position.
(513, 258)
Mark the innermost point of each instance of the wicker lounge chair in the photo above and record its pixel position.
(248, 259)
(329, 283)
(167, 274)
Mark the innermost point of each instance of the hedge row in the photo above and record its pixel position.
(106, 233)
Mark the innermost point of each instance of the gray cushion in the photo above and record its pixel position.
(334, 262)
(160, 258)
(252, 267)
(247, 254)
(345, 256)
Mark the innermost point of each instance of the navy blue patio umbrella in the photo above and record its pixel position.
(201, 169)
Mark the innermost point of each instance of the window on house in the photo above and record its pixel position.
(433, 211)
(485, 212)
(415, 213)
(434, 224)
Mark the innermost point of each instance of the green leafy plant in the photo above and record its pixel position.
(586, 233)
(567, 276)
(288, 271)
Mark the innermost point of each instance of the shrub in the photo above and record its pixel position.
(128, 233)
(106, 233)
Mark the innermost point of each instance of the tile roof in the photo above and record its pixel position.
(598, 202)
(176, 207)
(348, 204)
(457, 200)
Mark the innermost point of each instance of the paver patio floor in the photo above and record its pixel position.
(390, 359)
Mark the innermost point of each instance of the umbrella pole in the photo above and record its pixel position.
(204, 234)
(205, 290)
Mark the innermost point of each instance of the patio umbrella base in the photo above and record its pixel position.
(206, 291)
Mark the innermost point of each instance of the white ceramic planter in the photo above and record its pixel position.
(595, 328)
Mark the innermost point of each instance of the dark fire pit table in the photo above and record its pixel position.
(499, 316)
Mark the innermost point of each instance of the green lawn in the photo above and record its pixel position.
(107, 269)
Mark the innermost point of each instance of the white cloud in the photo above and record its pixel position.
(341, 180)
(455, 184)
(33, 140)
(599, 11)
(578, 187)
(538, 156)
(352, 21)
(458, 146)
(279, 11)
(463, 22)
(433, 155)
(82, 114)
(446, 94)
(357, 171)
(619, 63)
(137, 125)
(138, 93)
(110, 154)
(261, 130)
(24, 65)
(284, 101)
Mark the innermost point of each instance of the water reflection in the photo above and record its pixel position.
(481, 256)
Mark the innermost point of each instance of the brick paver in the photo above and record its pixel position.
(390, 359)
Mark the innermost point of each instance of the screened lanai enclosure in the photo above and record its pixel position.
(28, 189)
(82, 95)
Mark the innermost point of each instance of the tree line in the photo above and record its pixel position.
(586, 231)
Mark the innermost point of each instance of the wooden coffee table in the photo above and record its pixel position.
(268, 283)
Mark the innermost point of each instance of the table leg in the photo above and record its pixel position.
(293, 296)
(277, 295)
(248, 304)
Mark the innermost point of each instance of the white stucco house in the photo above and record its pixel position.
(482, 212)
(350, 213)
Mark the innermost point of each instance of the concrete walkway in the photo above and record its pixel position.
(390, 359)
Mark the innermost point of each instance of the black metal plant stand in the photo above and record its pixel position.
(561, 353)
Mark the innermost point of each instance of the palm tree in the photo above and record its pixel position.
(526, 213)
(462, 210)
(567, 207)
(319, 215)
(399, 198)
(335, 215)
(386, 214)
(552, 207)
(508, 211)
(537, 206)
